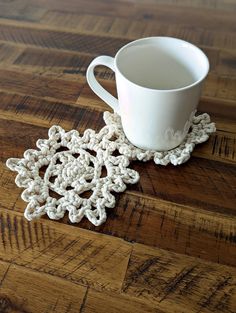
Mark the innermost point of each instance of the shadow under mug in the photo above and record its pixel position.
(158, 81)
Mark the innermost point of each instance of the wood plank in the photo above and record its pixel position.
(73, 254)
(220, 87)
(24, 290)
(220, 146)
(44, 113)
(97, 302)
(227, 63)
(52, 62)
(147, 262)
(221, 19)
(75, 62)
(87, 96)
(153, 266)
(59, 39)
(26, 10)
(136, 28)
(66, 65)
(51, 34)
(159, 11)
(3, 271)
(8, 186)
(213, 4)
(66, 60)
(185, 230)
(21, 10)
(9, 53)
(216, 86)
(76, 6)
(222, 108)
(152, 221)
(199, 182)
(180, 284)
(43, 87)
(224, 124)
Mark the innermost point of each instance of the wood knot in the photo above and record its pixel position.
(5, 304)
(11, 304)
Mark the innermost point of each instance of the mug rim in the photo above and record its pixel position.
(203, 55)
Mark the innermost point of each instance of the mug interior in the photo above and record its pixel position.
(162, 63)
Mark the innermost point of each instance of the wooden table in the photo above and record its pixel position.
(169, 245)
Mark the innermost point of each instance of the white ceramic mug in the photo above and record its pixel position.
(158, 82)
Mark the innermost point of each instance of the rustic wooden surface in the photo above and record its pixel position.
(169, 245)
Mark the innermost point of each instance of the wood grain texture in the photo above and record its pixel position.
(86, 259)
(76, 62)
(60, 39)
(37, 292)
(138, 218)
(98, 302)
(164, 278)
(93, 267)
(69, 65)
(39, 86)
(201, 183)
(169, 245)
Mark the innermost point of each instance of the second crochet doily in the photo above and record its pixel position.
(80, 173)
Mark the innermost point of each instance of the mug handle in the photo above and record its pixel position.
(94, 84)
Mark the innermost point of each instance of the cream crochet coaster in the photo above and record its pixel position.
(74, 173)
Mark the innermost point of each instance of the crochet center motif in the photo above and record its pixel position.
(73, 165)
(78, 174)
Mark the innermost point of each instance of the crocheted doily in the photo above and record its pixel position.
(200, 129)
(81, 172)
